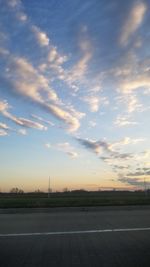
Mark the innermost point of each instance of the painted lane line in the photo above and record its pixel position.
(76, 232)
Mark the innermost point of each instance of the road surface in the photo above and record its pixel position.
(101, 237)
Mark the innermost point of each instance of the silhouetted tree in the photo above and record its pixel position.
(16, 190)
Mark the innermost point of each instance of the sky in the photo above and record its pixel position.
(74, 94)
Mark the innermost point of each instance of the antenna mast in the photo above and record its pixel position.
(49, 187)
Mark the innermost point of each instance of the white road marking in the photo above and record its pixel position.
(76, 232)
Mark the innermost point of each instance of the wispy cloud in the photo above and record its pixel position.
(39, 118)
(55, 58)
(136, 82)
(133, 21)
(13, 3)
(103, 147)
(42, 37)
(22, 131)
(34, 82)
(3, 132)
(68, 149)
(76, 74)
(28, 123)
(130, 101)
(139, 173)
(5, 129)
(4, 110)
(63, 147)
(93, 102)
(4, 126)
(31, 84)
(21, 17)
(117, 156)
(126, 141)
(130, 181)
(122, 121)
(111, 153)
(79, 70)
(132, 73)
(95, 146)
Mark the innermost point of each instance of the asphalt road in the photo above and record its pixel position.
(76, 238)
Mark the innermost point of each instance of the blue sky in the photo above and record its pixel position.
(74, 94)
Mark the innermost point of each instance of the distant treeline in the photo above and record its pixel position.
(75, 193)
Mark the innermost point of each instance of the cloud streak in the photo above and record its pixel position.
(95, 146)
(63, 147)
(3, 132)
(130, 181)
(139, 173)
(4, 107)
(32, 85)
(41, 37)
(4, 126)
(123, 121)
(133, 21)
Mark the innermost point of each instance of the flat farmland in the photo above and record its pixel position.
(71, 199)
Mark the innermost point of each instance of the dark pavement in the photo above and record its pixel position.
(124, 248)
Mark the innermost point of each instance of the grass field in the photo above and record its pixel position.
(69, 199)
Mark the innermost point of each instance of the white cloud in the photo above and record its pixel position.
(76, 74)
(98, 147)
(52, 54)
(42, 120)
(126, 141)
(13, 3)
(21, 16)
(103, 147)
(22, 131)
(30, 124)
(4, 107)
(32, 84)
(47, 145)
(109, 152)
(122, 121)
(133, 21)
(131, 102)
(4, 126)
(133, 73)
(72, 122)
(93, 102)
(79, 70)
(136, 82)
(64, 147)
(131, 181)
(3, 132)
(68, 149)
(55, 58)
(42, 37)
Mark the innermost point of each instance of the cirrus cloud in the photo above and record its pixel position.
(133, 22)
(42, 37)
(4, 110)
(63, 147)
